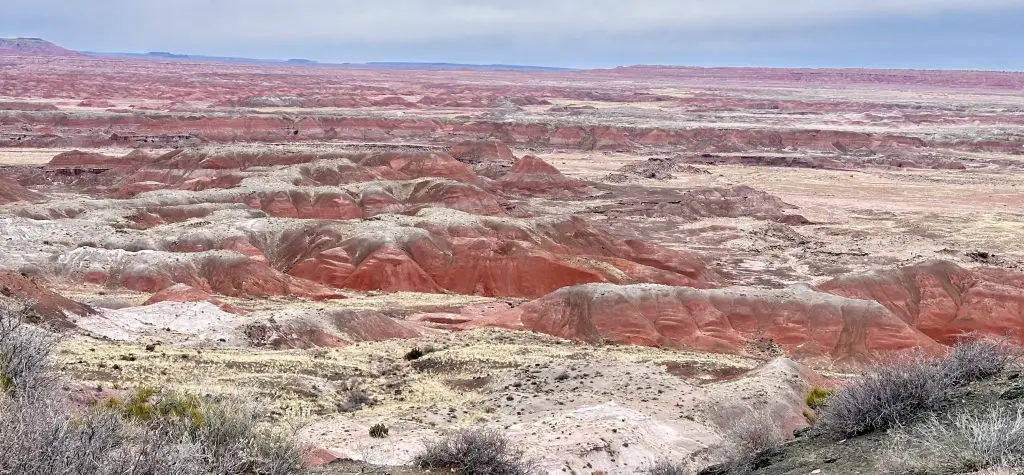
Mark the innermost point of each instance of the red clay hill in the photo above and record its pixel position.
(32, 47)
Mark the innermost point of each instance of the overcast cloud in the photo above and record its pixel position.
(943, 33)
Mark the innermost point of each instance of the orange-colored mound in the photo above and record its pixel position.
(531, 176)
(51, 307)
(225, 273)
(805, 323)
(942, 299)
(185, 293)
(77, 159)
(443, 250)
(11, 192)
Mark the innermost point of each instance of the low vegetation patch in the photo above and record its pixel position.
(355, 398)
(476, 452)
(894, 394)
(962, 443)
(749, 440)
(817, 397)
(665, 467)
(379, 431)
(26, 366)
(150, 432)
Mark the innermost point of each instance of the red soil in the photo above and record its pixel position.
(806, 324)
(11, 191)
(227, 274)
(943, 300)
(474, 151)
(51, 307)
(531, 176)
(184, 293)
(483, 257)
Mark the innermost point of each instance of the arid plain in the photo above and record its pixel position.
(605, 264)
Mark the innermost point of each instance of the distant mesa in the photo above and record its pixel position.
(164, 54)
(32, 47)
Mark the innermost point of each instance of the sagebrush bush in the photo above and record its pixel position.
(40, 439)
(665, 467)
(748, 439)
(898, 392)
(149, 433)
(963, 442)
(476, 452)
(355, 398)
(887, 395)
(414, 354)
(974, 358)
(26, 368)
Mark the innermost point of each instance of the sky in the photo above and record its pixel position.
(919, 34)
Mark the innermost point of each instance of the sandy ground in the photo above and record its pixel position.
(582, 408)
(41, 156)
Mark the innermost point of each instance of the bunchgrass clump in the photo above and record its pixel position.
(379, 431)
(817, 397)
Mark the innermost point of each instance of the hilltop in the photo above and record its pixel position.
(32, 47)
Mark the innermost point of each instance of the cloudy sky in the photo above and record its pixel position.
(969, 34)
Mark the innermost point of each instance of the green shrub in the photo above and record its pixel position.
(148, 405)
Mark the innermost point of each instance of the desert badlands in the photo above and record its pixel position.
(608, 266)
